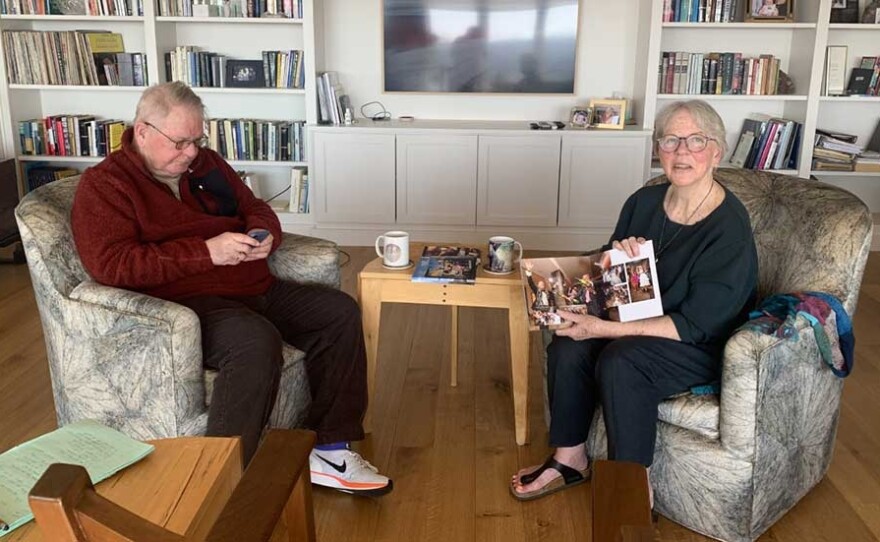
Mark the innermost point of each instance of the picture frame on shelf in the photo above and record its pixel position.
(845, 11)
(245, 74)
(581, 117)
(608, 113)
(871, 13)
(770, 11)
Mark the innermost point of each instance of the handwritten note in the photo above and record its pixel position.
(101, 450)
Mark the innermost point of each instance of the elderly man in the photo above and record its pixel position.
(169, 218)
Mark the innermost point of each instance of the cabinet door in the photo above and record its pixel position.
(437, 179)
(598, 174)
(354, 177)
(518, 180)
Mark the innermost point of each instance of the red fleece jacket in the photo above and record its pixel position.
(132, 232)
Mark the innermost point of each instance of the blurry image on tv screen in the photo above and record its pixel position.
(459, 46)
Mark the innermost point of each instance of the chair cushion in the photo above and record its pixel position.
(697, 413)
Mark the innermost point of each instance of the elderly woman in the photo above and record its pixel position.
(707, 272)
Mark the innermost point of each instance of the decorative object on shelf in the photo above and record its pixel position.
(871, 13)
(845, 11)
(245, 74)
(835, 70)
(785, 85)
(205, 10)
(608, 113)
(773, 11)
(580, 117)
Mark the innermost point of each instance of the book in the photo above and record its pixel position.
(104, 47)
(609, 285)
(447, 264)
(101, 450)
(859, 82)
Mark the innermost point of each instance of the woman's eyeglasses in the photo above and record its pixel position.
(182, 144)
(693, 142)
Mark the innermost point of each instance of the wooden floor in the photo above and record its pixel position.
(451, 450)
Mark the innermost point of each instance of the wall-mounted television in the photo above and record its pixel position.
(503, 46)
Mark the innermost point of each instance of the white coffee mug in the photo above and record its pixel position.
(504, 252)
(393, 248)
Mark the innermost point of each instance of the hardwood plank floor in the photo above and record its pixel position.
(451, 450)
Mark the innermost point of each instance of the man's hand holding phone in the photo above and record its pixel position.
(264, 237)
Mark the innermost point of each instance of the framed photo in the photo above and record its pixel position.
(770, 11)
(609, 113)
(581, 117)
(245, 74)
(845, 11)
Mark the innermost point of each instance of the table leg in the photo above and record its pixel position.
(519, 362)
(370, 299)
(453, 346)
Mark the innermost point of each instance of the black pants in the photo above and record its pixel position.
(242, 338)
(630, 376)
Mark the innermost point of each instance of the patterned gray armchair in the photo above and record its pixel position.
(131, 361)
(730, 466)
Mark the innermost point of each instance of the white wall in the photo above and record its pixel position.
(606, 50)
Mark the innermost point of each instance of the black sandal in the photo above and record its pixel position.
(570, 477)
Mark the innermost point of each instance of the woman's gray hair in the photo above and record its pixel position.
(704, 115)
(157, 101)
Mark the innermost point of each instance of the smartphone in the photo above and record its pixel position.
(259, 235)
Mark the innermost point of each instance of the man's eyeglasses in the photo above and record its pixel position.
(694, 142)
(182, 144)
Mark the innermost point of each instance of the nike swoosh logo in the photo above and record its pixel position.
(338, 468)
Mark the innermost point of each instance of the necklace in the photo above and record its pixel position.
(660, 246)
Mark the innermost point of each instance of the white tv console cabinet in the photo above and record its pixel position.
(464, 181)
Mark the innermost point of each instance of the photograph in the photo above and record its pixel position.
(771, 10)
(245, 74)
(581, 117)
(609, 113)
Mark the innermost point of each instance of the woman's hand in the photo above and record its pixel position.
(231, 248)
(630, 245)
(583, 326)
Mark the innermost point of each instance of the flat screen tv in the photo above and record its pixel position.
(503, 46)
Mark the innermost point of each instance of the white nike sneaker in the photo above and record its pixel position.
(347, 471)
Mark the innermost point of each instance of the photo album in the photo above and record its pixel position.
(609, 285)
(449, 264)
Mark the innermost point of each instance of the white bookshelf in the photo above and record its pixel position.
(800, 46)
(242, 38)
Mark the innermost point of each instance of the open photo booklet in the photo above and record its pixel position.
(609, 285)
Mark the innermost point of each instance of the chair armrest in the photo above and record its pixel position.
(768, 386)
(276, 481)
(307, 260)
(67, 508)
(163, 314)
(132, 361)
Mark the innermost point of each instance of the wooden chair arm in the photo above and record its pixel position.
(67, 508)
(277, 480)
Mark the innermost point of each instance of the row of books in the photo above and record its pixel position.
(768, 143)
(838, 151)
(333, 102)
(717, 73)
(70, 135)
(72, 7)
(699, 11)
(248, 139)
(278, 69)
(37, 174)
(864, 80)
(71, 58)
(292, 9)
(299, 190)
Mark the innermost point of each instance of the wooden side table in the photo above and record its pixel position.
(182, 486)
(377, 285)
(621, 502)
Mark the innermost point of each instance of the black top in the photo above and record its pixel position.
(707, 272)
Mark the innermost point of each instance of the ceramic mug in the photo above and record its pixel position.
(393, 248)
(504, 252)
